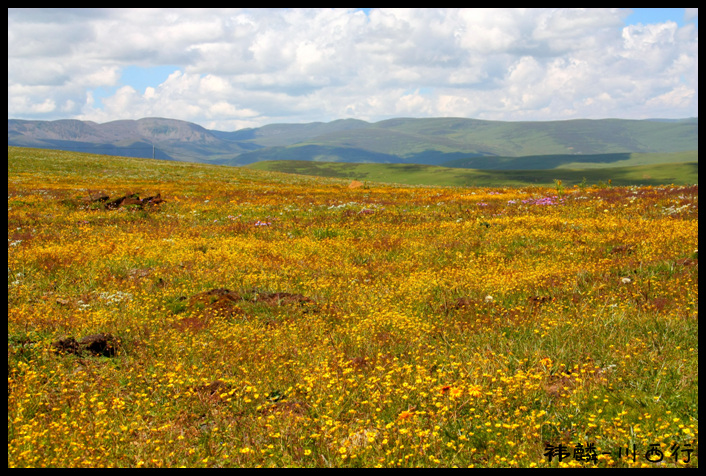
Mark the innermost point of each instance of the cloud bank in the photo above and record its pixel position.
(229, 69)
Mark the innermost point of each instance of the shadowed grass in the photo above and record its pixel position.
(417, 174)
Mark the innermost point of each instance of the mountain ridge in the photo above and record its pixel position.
(431, 141)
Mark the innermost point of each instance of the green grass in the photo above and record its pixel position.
(417, 174)
(572, 161)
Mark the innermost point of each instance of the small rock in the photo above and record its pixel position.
(99, 344)
(66, 345)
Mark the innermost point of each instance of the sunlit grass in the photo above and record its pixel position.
(381, 326)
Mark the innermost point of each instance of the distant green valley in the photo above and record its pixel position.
(441, 151)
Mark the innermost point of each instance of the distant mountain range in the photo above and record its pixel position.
(434, 141)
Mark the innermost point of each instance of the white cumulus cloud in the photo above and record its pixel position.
(237, 68)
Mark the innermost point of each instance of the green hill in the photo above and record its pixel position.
(440, 140)
(431, 141)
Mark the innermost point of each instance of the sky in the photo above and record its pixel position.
(229, 69)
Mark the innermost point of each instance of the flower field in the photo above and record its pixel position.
(166, 314)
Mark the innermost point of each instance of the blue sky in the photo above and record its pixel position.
(658, 15)
(233, 68)
(140, 77)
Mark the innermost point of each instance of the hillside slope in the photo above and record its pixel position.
(177, 140)
(433, 141)
(436, 141)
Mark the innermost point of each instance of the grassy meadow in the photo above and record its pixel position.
(255, 318)
(636, 173)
